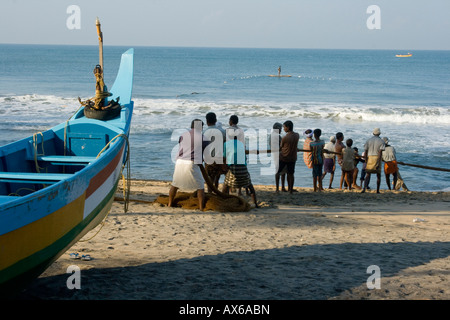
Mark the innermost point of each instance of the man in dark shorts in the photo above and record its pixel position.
(317, 147)
(338, 147)
(329, 161)
(214, 167)
(288, 154)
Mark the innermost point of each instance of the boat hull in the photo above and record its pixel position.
(84, 159)
(22, 272)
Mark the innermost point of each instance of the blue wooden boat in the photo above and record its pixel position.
(59, 184)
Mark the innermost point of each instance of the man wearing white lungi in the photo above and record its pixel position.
(187, 174)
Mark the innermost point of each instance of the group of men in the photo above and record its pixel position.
(376, 151)
(229, 158)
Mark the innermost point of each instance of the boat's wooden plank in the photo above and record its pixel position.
(79, 159)
(31, 177)
(66, 160)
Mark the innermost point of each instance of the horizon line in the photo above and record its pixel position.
(220, 47)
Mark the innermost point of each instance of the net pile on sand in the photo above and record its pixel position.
(214, 202)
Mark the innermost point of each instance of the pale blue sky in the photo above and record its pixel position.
(341, 24)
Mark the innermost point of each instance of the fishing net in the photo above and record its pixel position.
(216, 201)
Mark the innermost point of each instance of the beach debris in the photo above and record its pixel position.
(74, 255)
(86, 257)
(419, 220)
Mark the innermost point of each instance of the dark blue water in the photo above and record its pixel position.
(351, 91)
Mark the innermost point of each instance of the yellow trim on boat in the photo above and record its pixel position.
(38, 235)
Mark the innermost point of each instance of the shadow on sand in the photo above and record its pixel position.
(309, 272)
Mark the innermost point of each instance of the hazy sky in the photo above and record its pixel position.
(404, 24)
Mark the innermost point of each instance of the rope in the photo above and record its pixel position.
(423, 167)
(65, 142)
(35, 147)
(65, 136)
(20, 189)
(107, 145)
(101, 227)
(333, 152)
(81, 106)
(126, 181)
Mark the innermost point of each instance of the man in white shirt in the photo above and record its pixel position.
(213, 152)
(373, 150)
(329, 162)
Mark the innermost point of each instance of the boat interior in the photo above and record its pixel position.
(33, 163)
(30, 164)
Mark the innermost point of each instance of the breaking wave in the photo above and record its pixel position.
(313, 110)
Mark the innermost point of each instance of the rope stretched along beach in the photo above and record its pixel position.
(423, 167)
(327, 151)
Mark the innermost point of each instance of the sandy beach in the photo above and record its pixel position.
(301, 246)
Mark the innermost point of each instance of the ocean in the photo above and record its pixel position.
(351, 91)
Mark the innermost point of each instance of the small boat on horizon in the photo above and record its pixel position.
(404, 55)
(279, 75)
